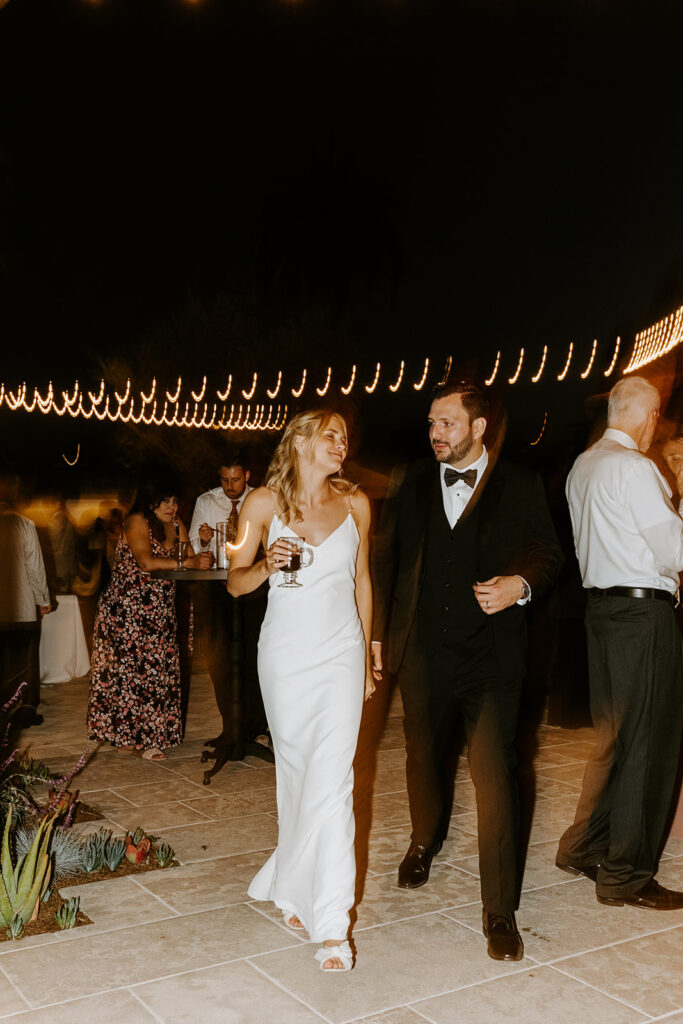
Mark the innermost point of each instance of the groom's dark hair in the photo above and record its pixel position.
(474, 400)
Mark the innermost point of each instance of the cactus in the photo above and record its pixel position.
(68, 912)
(114, 852)
(164, 854)
(23, 885)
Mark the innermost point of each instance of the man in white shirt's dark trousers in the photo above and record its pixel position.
(629, 543)
(215, 606)
(465, 541)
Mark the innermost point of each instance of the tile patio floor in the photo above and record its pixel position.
(188, 945)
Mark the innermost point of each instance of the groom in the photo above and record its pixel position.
(464, 543)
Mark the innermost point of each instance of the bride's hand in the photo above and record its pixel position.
(369, 683)
(277, 555)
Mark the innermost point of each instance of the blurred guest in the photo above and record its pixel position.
(24, 599)
(62, 538)
(464, 543)
(215, 607)
(629, 543)
(135, 691)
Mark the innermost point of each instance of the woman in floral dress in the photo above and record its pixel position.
(135, 678)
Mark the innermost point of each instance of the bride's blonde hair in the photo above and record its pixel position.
(283, 475)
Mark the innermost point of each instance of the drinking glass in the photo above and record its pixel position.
(183, 546)
(300, 558)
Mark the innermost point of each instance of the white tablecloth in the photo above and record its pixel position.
(63, 650)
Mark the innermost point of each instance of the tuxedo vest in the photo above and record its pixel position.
(448, 614)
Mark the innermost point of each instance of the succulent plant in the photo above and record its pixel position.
(22, 886)
(68, 912)
(95, 849)
(114, 852)
(137, 852)
(67, 850)
(164, 854)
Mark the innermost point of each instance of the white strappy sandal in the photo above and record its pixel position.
(288, 916)
(342, 952)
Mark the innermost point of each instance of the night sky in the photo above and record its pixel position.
(236, 184)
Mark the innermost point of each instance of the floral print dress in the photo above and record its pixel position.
(135, 669)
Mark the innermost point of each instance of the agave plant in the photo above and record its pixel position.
(68, 912)
(23, 885)
(137, 852)
(114, 852)
(164, 854)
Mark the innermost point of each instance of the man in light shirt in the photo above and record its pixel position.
(629, 544)
(215, 608)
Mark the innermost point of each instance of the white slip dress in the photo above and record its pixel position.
(311, 666)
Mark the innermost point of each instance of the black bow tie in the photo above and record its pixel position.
(469, 476)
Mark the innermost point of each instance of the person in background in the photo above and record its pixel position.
(24, 600)
(135, 689)
(629, 544)
(215, 606)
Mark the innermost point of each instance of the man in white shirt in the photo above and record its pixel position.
(216, 610)
(24, 595)
(629, 544)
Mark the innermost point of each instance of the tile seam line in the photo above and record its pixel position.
(16, 989)
(617, 942)
(609, 995)
(283, 988)
(176, 913)
(144, 1005)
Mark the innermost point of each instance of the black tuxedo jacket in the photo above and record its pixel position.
(515, 537)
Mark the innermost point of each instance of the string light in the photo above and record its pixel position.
(491, 379)
(352, 381)
(588, 369)
(250, 394)
(222, 396)
(323, 391)
(201, 394)
(174, 398)
(545, 420)
(236, 546)
(297, 393)
(396, 386)
(515, 377)
(611, 366)
(371, 387)
(276, 389)
(535, 379)
(569, 359)
(421, 383)
(69, 461)
(447, 369)
(656, 340)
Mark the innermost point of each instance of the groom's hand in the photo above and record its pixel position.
(376, 648)
(498, 593)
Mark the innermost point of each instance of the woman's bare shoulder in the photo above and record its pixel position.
(261, 502)
(360, 506)
(135, 524)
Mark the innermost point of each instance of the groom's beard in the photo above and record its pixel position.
(458, 453)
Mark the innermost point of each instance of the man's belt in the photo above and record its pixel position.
(652, 592)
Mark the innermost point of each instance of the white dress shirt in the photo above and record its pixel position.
(626, 530)
(456, 497)
(22, 569)
(212, 507)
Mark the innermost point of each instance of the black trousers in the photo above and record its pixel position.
(436, 699)
(215, 613)
(636, 691)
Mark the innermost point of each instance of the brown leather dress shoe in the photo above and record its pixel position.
(652, 896)
(414, 868)
(587, 870)
(504, 941)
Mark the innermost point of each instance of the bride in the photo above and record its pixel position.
(314, 668)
